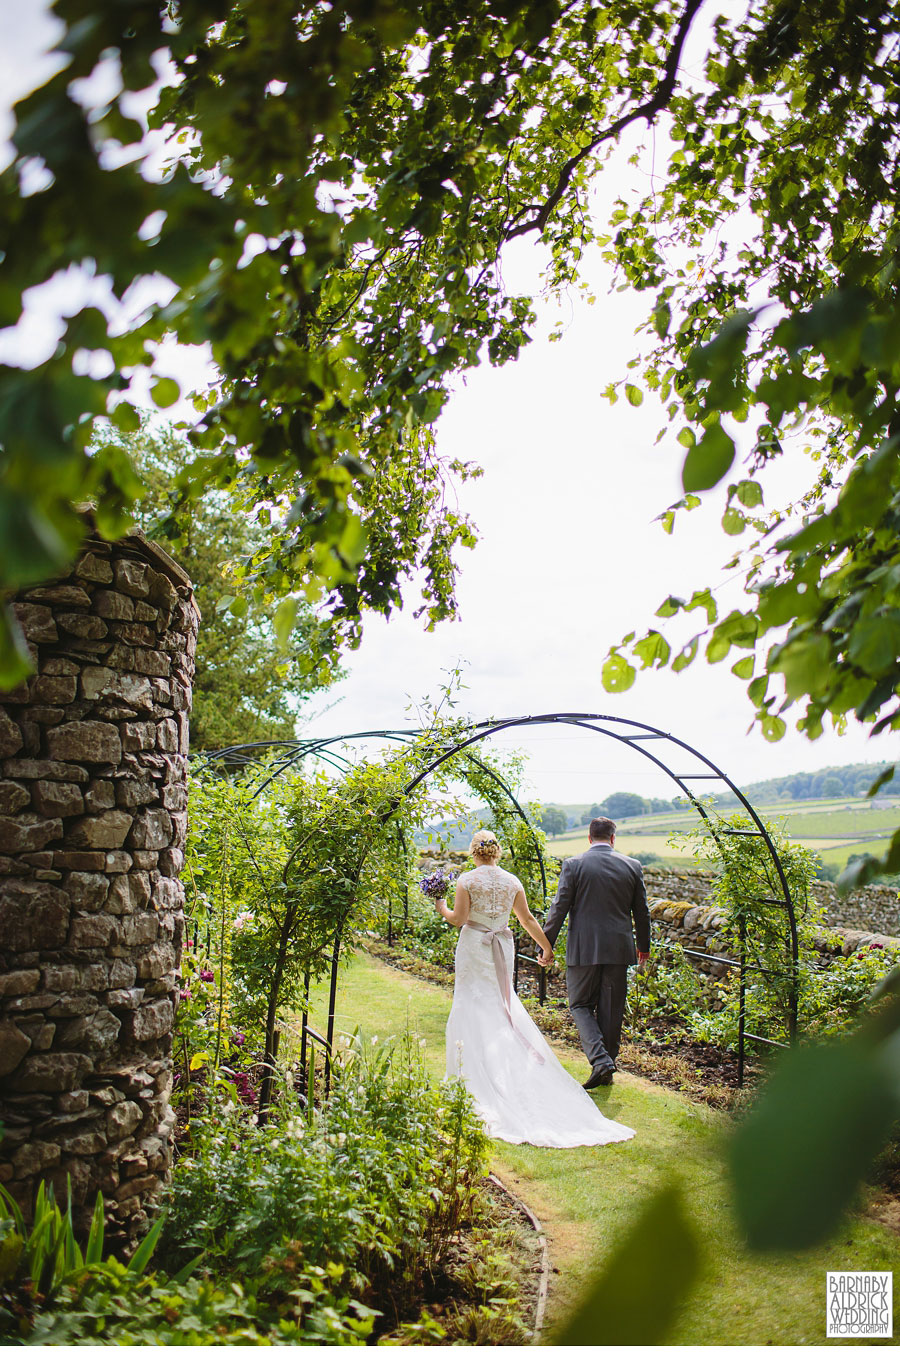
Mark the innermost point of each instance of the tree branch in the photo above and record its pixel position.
(648, 110)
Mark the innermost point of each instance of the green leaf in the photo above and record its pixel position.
(652, 648)
(733, 521)
(142, 1255)
(743, 668)
(799, 1158)
(31, 545)
(884, 778)
(94, 1250)
(875, 643)
(773, 728)
(758, 689)
(11, 1247)
(617, 674)
(805, 664)
(634, 395)
(718, 360)
(870, 867)
(354, 541)
(659, 1255)
(15, 660)
(718, 647)
(706, 601)
(126, 417)
(670, 606)
(687, 654)
(749, 493)
(164, 392)
(662, 318)
(12, 1208)
(283, 620)
(188, 1270)
(709, 461)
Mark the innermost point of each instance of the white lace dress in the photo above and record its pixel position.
(520, 1089)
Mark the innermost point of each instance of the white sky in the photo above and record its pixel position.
(570, 558)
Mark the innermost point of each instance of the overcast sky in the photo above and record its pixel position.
(570, 557)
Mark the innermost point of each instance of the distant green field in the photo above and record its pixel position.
(834, 828)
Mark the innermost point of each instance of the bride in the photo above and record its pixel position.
(520, 1089)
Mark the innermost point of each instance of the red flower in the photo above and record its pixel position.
(207, 975)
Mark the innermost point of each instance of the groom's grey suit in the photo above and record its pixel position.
(602, 892)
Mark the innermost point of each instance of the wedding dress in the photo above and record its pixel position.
(520, 1089)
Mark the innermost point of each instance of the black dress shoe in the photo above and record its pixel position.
(599, 1075)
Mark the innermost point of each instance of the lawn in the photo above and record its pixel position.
(588, 1198)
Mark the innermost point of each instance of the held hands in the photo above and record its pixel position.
(546, 957)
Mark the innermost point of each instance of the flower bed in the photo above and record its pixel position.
(366, 1219)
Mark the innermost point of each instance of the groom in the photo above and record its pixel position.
(602, 893)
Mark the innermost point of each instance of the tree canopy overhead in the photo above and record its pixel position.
(342, 180)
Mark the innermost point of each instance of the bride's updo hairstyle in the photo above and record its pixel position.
(485, 848)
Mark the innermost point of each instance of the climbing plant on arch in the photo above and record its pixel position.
(322, 875)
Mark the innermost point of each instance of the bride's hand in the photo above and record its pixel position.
(546, 958)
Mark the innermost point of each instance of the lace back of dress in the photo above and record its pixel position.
(492, 891)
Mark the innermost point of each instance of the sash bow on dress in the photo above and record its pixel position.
(493, 938)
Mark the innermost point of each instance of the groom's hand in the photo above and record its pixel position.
(643, 959)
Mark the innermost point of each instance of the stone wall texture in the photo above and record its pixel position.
(93, 817)
(682, 912)
(870, 909)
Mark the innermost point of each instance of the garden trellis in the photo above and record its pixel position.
(687, 767)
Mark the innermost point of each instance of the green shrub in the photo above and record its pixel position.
(669, 987)
(52, 1291)
(316, 1211)
(39, 1261)
(830, 998)
(426, 934)
(111, 1305)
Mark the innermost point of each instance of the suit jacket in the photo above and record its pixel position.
(602, 892)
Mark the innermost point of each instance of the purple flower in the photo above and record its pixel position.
(206, 974)
(242, 1085)
(185, 994)
(239, 1038)
(437, 884)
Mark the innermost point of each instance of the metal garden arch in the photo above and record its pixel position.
(663, 749)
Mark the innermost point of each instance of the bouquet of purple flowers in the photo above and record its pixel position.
(436, 885)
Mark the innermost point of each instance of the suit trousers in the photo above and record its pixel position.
(597, 1001)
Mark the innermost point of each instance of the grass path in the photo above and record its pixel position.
(587, 1198)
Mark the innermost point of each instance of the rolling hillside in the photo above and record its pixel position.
(834, 827)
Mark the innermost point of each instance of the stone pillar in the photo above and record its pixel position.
(93, 815)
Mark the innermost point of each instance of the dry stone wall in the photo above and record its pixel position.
(93, 817)
(682, 912)
(872, 909)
